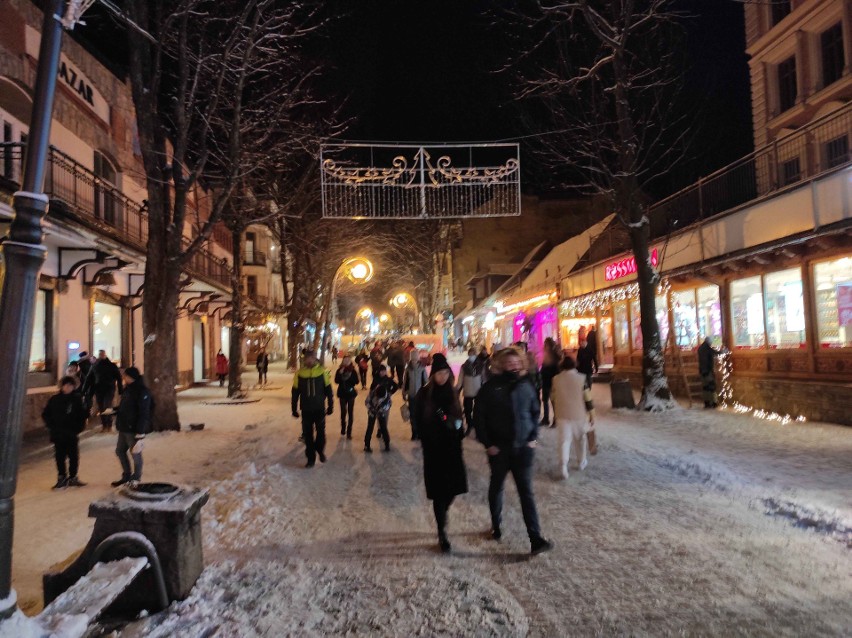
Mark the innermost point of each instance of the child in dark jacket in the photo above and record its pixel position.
(65, 417)
(378, 406)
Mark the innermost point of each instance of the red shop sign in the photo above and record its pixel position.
(619, 269)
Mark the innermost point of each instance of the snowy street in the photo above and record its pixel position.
(693, 522)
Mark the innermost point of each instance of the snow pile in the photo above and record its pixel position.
(20, 625)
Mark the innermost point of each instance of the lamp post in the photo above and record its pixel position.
(359, 270)
(23, 255)
(403, 300)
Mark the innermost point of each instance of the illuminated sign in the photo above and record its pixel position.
(624, 267)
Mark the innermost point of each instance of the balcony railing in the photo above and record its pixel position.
(815, 148)
(92, 201)
(254, 258)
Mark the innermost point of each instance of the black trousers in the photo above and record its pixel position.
(67, 448)
(520, 463)
(104, 400)
(545, 402)
(469, 407)
(441, 506)
(383, 429)
(398, 370)
(412, 418)
(261, 377)
(313, 432)
(363, 374)
(347, 407)
(221, 379)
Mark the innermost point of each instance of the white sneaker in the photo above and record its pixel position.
(564, 472)
(584, 464)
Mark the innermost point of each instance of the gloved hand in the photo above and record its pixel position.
(330, 410)
(295, 414)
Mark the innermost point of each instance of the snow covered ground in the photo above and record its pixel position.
(691, 522)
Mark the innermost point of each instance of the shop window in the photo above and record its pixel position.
(833, 289)
(747, 313)
(106, 330)
(710, 315)
(621, 329)
(779, 9)
(787, 88)
(831, 51)
(636, 325)
(38, 347)
(791, 171)
(662, 318)
(685, 318)
(106, 204)
(785, 309)
(837, 151)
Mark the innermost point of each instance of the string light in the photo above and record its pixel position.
(727, 401)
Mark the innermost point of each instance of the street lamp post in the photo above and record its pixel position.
(359, 270)
(402, 300)
(23, 256)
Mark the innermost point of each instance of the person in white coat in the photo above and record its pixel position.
(569, 409)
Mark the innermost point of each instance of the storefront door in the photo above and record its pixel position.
(107, 330)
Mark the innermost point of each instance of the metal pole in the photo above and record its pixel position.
(23, 255)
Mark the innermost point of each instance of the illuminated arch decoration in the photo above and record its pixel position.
(409, 181)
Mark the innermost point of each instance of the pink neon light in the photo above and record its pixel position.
(625, 267)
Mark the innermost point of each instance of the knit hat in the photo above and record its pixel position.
(133, 373)
(439, 362)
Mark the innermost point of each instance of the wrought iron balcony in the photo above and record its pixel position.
(254, 258)
(78, 194)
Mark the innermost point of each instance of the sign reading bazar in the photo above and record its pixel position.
(624, 267)
(72, 77)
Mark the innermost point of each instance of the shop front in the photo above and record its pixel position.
(531, 320)
(107, 330)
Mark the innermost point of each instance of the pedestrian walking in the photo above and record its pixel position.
(262, 365)
(592, 343)
(413, 379)
(441, 430)
(549, 369)
(133, 422)
(396, 361)
(346, 379)
(221, 367)
(362, 360)
(471, 378)
(378, 406)
(102, 381)
(707, 369)
(586, 361)
(572, 418)
(65, 417)
(311, 390)
(376, 358)
(334, 353)
(506, 421)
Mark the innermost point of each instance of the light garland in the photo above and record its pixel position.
(726, 397)
(605, 298)
(537, 300)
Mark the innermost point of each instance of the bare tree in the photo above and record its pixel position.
(196, 79)
(606, 76)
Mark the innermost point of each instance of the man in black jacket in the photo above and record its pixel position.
(101, 382)
(586, 361)
(65, 417)
(311, 389)
(506, 421)
(706, 368)
(133, 423)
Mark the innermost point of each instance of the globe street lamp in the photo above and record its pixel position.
(358, 270)
(402, 301)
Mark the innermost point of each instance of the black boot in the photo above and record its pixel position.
(444, 543)
(61, 482)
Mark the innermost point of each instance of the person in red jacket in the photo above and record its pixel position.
(221, 367)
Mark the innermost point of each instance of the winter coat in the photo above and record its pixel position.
(363, 361)
(585, 360)
(396, 357)
(439, 422)
(706, 358)
(104, 376)
(413, 379)
(376, 359)
(380, 405)
(507, 412)
(64, 416)
(262, 363)
(311, 388)
(567, 396)
(135, 410)
(470, 378)
(221, 364)
(346, 380)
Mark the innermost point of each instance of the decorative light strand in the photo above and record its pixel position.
(726, 395)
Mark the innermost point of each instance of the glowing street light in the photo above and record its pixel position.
(365, 313)
(359, 270)
(384, 317)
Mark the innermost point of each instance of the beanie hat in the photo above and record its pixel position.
(133, 373)
(439, 362)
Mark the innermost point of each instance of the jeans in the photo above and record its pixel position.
(347, 407)
(67, 447)
(469, 407)
(441, 506)
(104, 399)
(545, 404)
(126, 441)
(314, 443)
(520, 463)
(383, 429)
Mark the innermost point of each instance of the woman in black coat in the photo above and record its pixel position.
(439, 417)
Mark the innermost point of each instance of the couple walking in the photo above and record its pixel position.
(506, 421)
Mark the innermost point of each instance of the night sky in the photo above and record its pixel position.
(427, 71)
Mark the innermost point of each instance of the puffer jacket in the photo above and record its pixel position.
(471, 378)
(507, 412)
(135, 410)
(311, 389)
(413, 379)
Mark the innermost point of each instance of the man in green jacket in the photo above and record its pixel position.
(311, 390)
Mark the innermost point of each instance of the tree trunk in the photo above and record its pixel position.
(235, 348)
(295, 333)
(656, 395)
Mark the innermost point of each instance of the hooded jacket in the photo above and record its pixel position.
(134, 411)
(413, 379)
(346, 383)
(311, 388)
(471, 378)
(507, 412)
(64, 415)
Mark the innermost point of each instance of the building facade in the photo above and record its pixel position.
(92, 283)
